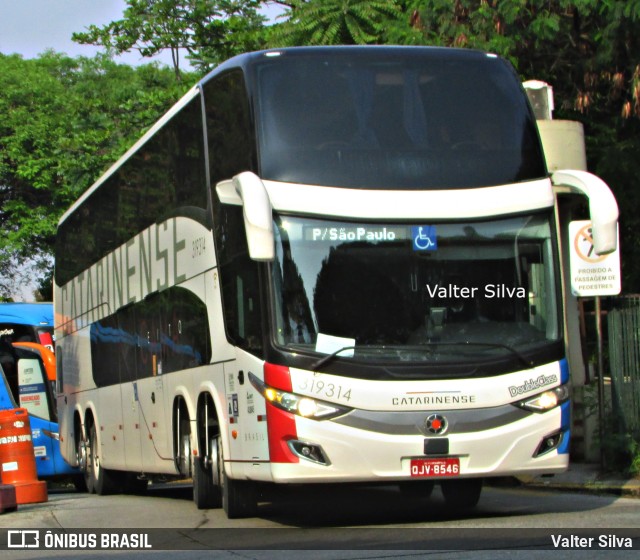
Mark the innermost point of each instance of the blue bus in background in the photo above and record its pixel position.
(27, 369)
(28, 322)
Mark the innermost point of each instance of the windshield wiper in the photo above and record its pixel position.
(528, 363)
(322, 361)
(511, 349)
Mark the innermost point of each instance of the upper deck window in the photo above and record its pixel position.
(394, 118)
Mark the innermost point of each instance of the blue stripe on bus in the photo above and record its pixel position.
(563, 448)
(33, 388)
(565, 425)
(564, 371)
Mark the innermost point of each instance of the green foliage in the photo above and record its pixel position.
(44, 287)
(634, 467)
(588, 49)
(620, 448)
(210, 31)
(336, 22)
(622, 453)
(64, 121)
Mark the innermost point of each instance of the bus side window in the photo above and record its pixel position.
(232, 149)
(230, 130)
(240, 283)
(6, 395)
(8, 363)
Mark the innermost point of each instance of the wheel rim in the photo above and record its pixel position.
(221, 474)
(95, 459)
(185, 466)
(81, 455)
(214, 462)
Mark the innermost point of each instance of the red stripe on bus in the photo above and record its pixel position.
(277, 377)
(281, 425)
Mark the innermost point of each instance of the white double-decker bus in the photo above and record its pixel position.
(322, 265)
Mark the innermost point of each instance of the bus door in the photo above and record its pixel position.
(46, 355)
(36, 396)
(27, 384)
(246, 411)
(33, 397)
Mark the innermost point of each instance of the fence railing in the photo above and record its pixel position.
(623, 322)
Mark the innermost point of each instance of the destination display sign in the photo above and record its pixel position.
(371, 234)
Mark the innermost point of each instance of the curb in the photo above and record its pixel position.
(627, 488)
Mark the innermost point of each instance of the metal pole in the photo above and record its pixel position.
(600, 372)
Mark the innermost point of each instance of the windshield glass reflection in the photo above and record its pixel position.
(394, 119)
(415, 292)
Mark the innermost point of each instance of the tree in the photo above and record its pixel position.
(210, 31)
(335, 22)
(64, 121)
(588, 49)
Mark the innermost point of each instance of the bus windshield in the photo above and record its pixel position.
(429, 119)
(428, 293)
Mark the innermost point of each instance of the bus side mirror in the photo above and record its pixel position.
(603, 207)
(247, 190)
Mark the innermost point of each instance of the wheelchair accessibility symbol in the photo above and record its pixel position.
(424, 238)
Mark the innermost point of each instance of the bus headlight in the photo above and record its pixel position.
(546, 400)
(298, 404)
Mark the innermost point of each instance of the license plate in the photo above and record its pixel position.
(449, 466)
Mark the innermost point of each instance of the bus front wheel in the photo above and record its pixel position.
(239, 497)
(461, 494)
(206, 489)
(419, 489)
(79, 482)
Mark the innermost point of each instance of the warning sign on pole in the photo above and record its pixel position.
(591, 274)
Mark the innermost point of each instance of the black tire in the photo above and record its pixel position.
(79, 482)
(462, 494)
(102, 481)
(134, 485)
(420, 489)
(206, 491)
(239, 497)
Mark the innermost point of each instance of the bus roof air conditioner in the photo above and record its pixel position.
(247, 190)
